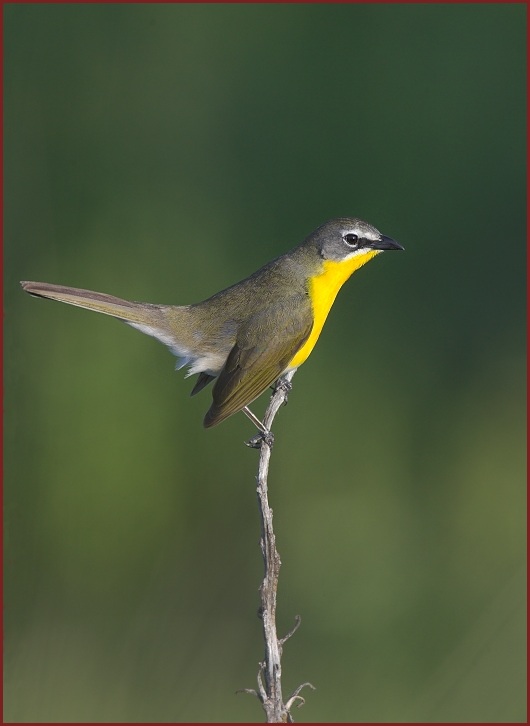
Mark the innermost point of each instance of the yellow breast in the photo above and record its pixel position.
(323, 289)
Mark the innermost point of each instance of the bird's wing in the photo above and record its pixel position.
(264, 346)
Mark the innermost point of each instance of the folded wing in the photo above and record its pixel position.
(264, 346)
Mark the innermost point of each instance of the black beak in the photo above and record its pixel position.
(385, 243)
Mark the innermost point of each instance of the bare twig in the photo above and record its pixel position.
(270, 671)
(297, 622)
(297, 697)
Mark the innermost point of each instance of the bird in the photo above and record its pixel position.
(249, 335)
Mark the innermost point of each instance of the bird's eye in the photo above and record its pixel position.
(351, 239)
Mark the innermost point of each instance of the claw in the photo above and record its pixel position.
(282, 384)
(256, 441)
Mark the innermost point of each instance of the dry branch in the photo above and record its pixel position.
(269, 690)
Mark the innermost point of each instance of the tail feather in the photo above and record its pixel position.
(130, 312)
(170, 324)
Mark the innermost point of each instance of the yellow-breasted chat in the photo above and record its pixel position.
(250, 334)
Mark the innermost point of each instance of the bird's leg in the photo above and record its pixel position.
(264, 434)
(255, 420)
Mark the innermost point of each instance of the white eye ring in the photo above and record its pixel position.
(351, 239)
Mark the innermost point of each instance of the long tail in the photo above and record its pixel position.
(163, 322)
(130, 312)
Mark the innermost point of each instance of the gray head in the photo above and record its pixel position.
(344, 237)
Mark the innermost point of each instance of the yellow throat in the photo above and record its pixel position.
(323, 289)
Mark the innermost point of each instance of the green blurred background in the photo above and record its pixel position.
(162, 152)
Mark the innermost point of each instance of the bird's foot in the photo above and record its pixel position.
(260, 438)
(285, 385)
(282, 384)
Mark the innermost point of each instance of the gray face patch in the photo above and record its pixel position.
(344, 237)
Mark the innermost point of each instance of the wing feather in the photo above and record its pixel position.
(264, 346)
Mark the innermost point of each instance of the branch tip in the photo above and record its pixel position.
(290, 702)
(250, 691)
(296, 696)
(297, 623)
